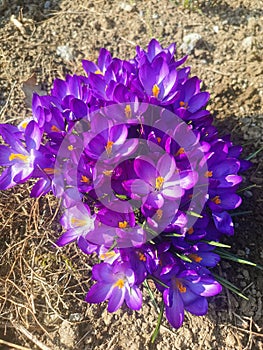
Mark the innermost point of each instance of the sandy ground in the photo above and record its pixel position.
(42, 290)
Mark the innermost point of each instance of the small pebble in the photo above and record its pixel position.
(216, 29)
(189, 42)
(126, 7)
(248, 194)
(47, 5)
(65, 52)
(247, 43)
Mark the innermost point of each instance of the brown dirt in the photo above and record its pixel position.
(41, 288)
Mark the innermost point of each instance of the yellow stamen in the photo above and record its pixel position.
(108, 147)
(158, 139)
(180, 151)
(107, 172)
(123, 224)
(159, 182)
(216, 200)
(98, 71)
(78, 222)
(85, 179)
(208, 174)
(128, 111)
(159, 214)
(119, 283)
(155, 90)
(107, 255)
(18, 156)
(190, 231)
(24, 125)
(70, 148)
(142, 257)
(195, 257)
(180, 286)
(55, 128)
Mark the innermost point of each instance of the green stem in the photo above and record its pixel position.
(157, 328)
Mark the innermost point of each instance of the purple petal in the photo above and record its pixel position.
(116, 299)
(199, 307)
(198, 101)
(223, 222)
(174, 308)
(166, 166)
(133, 298)
(146, 171)
(67, 237)
(99, 292)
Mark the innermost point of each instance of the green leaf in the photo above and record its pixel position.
(184, 257)
(156, 280)
(172, 235)
(217, 244)
(229, 256)
(241, 213)
(254, 154)
(229, 286)
(193, 213)
(146, 284)
(159, 321)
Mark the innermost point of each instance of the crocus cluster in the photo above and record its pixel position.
(145, 180)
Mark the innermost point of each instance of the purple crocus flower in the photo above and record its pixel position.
(187, 291)
(115, 283)
(78, 223)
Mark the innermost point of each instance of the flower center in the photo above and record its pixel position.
(98, 71)
(158, 139)
(127, 111)
(216, 200)
(159, 214)
(106, 255)
(179, 152)
(119, 283)
(108, 147)
(180, 286)
(78, 222)
(195, 257)
(85, 179)
(208, 174)
(123, 224)
(142, 257)
(70, 147)
(183, 104)
(155, 90)
(54, 128)
(190, 231)
(159, 182)
(18, 156)
(107, 172)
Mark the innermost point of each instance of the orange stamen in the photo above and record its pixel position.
(123, 224)
(108, 147)
(85, 179)
(195, 257)
(180, 286)
(55, 128)
(216, 200)
(180, 151)
(208, 174)
(190, 231)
